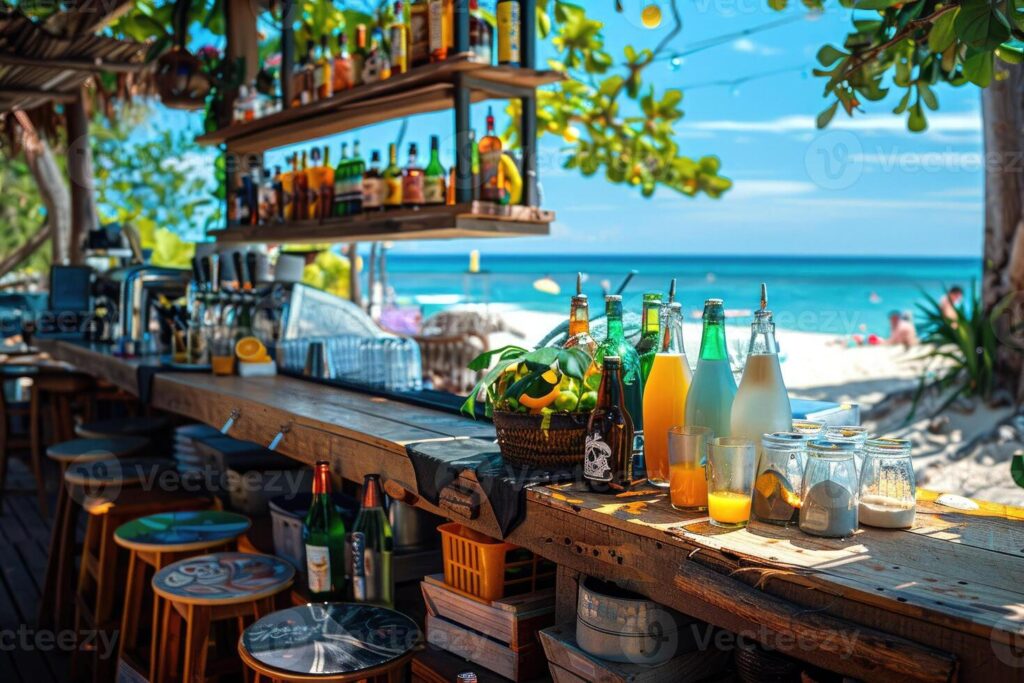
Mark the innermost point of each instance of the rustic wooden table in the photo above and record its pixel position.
(940, 602)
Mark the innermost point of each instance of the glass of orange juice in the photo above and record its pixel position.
(731, 465)
(687, 455)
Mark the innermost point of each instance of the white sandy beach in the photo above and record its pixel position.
(820, 366)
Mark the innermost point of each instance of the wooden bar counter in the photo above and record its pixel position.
(943, 601)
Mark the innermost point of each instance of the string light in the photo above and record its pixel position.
(734, 83)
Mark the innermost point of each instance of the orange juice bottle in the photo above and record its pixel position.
(665, 394)
(288, 190)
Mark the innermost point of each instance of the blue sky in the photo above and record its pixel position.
(864, 186)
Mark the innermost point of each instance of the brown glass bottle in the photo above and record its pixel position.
(300, 193)
(608, 457)
(579, 326)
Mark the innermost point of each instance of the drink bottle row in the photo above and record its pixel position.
(647, 389)
(416, 33)
(313, 189)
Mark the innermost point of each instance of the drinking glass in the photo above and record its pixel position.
(887, 485)
(780, 471)
(730, 481)
(809, 428)
(222, 350)
(828, 494)
(687, 458)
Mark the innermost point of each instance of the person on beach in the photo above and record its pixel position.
(949, 301)
(901, 330)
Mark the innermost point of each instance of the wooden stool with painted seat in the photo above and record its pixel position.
(113, 492)
(154, 542)
(199, 592)
(330, 642)
(56, 607)
(150, 426)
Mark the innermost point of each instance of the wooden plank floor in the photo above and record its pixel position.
(26, 654)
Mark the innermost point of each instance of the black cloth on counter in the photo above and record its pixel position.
(146, 373)
(438, 463)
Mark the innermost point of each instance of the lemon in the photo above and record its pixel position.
(650, 16)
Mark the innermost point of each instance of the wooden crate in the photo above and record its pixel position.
(525, 664)
(434, 665)
(568, 663)
(513, 621)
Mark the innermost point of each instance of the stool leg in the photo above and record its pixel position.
(105, 588)
(197, 637)
(65, 594)
(48, 601)
(156, 639)
(36, 448)
(4, 444)
(132, 604)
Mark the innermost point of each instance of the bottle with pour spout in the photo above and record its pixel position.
(709, 401)
(579, 321)
(762, 403)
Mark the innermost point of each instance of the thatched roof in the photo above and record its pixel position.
(48, 61)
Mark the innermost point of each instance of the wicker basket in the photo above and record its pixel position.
(524, 441)
(180, 80)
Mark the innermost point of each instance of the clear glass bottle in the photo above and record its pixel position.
(780, 472)
(665, 393)
(828, 491)
(709, 401)
(371, 544)
(888, 488)
(762, 404)
(647, 346)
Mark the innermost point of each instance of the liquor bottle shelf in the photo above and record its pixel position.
(422, 89)
(471, 220)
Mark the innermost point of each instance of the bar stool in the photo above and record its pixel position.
(113, 492)
(330, 642)
(156, 541)
(203, 590)
(123, 426)
(56, 602)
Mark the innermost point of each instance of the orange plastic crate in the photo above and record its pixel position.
(487, 569)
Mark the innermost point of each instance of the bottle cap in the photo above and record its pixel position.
(613, 297)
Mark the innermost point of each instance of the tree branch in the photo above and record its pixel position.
(16, 257)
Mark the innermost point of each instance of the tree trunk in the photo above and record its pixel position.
(52, 189)
(1003, 120)
(84, 217)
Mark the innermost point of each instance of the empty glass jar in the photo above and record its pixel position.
(887, 485)
(851, 433)
(828, 494)
(780, 471)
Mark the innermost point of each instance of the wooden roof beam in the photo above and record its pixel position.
(71, 64)
(25, 93)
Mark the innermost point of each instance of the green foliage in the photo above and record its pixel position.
(611, 120)
(914, 45)
(963, 349)
(21, 211)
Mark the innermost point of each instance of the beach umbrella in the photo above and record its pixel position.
(547, 285)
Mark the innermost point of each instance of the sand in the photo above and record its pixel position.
(950, 455)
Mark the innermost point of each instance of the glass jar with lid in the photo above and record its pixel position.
(887, 496)
(828, 493)
(780, 471)
(852, 433)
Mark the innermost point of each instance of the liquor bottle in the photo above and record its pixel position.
(341, 187)
(579, 321)
(433, 177)
(309, 91)
(509, 20)
(474, 163)
(377, 66)
(343, 77)
(449, 195)
(288, 189)
(665, 393)
(313, 176)
(399, 35)
(412, 181)
(615, 344)
(252, 193)
(648, 344)
(393, 180)
(324, 78)
(492, 174)
(326, 186)
(709, 401)
(323, 535)
(609, 441)
(370, 547)
(356, 171)
(359, 55)
(233, 199)
(762, 404)
(300, 191)
(373, 185)
(419, 33)
(279, 196)
(481, 35)
(441, 15)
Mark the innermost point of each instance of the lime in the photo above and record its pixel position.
(566, 402)
(587, 401)
(569, 384)
(593, 380)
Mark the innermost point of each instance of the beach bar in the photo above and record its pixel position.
(221, 472)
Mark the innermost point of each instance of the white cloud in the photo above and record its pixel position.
(748, 189)
(950, 122)
(750, 47)
(885, 204)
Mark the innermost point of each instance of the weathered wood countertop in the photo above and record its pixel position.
(942, 601)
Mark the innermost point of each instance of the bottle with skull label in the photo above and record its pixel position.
(608, 456)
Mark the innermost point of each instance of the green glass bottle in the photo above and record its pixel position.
(647, 347)
(709, 401)
(354, 182)
(615, 344)
(341, 183)
(370, 547)
(323, 535)
(433, 176)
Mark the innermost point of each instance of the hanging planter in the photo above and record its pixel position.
(180, 80)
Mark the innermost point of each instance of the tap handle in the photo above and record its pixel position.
(240, 275)
(251, 267)
(197, 271)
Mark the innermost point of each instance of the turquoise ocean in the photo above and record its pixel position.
(841, 296)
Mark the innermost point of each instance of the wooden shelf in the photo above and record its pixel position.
(472, 220)
(423, 89)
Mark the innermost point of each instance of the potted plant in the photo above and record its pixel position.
(540, 402)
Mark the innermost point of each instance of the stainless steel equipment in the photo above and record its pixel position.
(140, 288)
